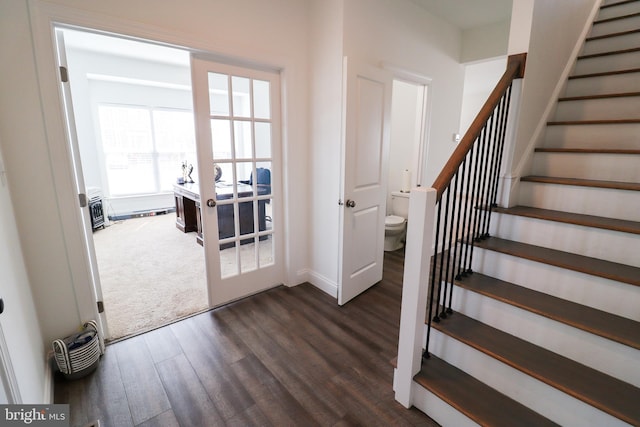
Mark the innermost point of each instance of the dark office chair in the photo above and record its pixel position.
(263, 184)
(263, 180)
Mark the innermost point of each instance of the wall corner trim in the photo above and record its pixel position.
(49, 381)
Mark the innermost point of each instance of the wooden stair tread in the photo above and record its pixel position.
(616, 18)
(596, 267)
(476, 400)
(603, 96)
(602, 391)
(609, 53)
(573, 218)
(605, 73)
(598, 322)
(613, 185)
(594, 122)
(587, 150)
(618, 34)
(618, 3)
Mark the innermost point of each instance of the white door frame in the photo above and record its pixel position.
(44, 16)
(8, 381)
(422, 151)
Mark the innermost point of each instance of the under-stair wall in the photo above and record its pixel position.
(547, 328)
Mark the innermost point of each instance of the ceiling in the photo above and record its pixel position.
(466, 14)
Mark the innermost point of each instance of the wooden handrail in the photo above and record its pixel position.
(515, 70)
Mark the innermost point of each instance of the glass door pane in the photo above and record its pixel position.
(245, 183)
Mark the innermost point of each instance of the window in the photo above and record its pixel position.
(144, 147)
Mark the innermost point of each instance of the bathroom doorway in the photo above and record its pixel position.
(409, 140)
(408, 135)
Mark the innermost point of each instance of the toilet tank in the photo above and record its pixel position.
(400, 203)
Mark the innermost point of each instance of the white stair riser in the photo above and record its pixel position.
(612, 358)
(608, 245)
(627, 107)
(621, 10)
(605, 167)
(599, 64)
(616, 26)
(440, 411)
(555, 405)
(592, 291)
(627, 41)
(625, 136)
(617, 83)
(621, 204)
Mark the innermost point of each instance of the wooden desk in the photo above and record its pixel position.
(188, 217)
(187, 198)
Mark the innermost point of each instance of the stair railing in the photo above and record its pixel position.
(466, 193)
(454, 214)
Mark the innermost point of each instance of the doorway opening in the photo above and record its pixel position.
(133, 114)
(146, 136)
(407, 155)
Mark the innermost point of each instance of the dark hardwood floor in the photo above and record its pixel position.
(285, 357)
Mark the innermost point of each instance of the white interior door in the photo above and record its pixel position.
(367, 106)
(72, 137)
(237, 114)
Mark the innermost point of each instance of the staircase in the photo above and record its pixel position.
(547, 329)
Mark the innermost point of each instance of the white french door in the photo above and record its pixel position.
(237, 113)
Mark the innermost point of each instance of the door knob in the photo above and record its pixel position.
(211, 203)
(350, 203)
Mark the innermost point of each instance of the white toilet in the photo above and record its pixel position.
(395, 225)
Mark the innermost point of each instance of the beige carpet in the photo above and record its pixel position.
(150, 272)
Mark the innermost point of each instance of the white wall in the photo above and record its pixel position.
(29, 171)
(19, 321)
(485, 42)
(326, 52)
(408, 37)
(556, 28)
(479, 80)
(520, 27)
(398, 33)
(273, 33)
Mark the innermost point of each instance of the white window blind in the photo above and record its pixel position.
(144, 147)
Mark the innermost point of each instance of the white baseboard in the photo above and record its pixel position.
(323, 283)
